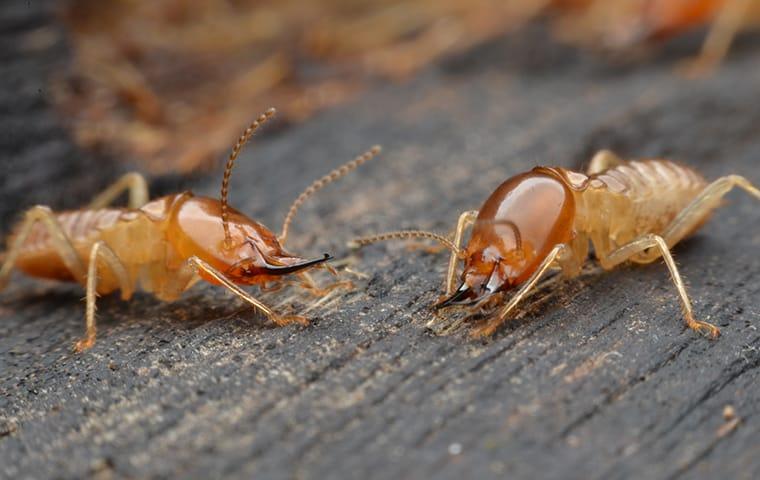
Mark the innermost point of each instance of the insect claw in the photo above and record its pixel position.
(83, 344)
(707, 329)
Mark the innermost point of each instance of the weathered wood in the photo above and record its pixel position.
(601, 381)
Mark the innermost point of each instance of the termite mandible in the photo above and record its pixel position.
(629, 210)
(163, 246)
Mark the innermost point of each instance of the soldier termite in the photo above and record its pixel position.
(165, 246)
(635, 210)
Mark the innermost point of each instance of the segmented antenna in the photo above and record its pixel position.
(321, 183)
(247, 134)
(404, 235)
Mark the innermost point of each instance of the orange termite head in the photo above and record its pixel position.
(250, 255)
(245, 251)
(516, 228)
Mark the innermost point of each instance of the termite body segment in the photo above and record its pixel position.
(630, 211)
(163, 246)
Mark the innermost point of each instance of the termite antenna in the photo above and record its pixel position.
(247, 134)
(404, 235)
(321, 183)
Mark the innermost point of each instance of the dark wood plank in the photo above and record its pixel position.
(601, 381)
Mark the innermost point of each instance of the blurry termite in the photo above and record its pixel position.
(629, 210)
(165, 246)
(627, 23)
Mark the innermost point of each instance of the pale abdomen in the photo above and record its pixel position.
(40, 258)
(637, 198)
(136, 239)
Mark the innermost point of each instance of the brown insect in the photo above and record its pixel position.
(165, 246)
(546, 217)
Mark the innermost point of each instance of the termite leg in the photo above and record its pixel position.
(245, 296)
(465, 219)
(698, 211)
(630, 250)
(181, 280)
(60, 242)
(560, 253)
(715, 47)
(133, 182)
(603, 160)
(101, 251)
(272, 287)
(308, 283)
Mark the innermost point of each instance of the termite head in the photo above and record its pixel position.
(245, 251)
(516, 228)
(251, 254)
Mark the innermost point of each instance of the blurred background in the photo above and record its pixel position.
(166, 84)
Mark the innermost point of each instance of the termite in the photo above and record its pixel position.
(544, 218)
(163, 246)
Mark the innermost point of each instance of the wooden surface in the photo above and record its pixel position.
(599, 381)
